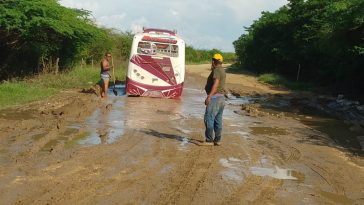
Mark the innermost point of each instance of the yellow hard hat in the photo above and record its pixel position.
(218, 56)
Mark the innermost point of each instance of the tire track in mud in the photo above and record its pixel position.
(147, 171)
(327, 176)
(204, 178)
(253, 189)
(260, 190)
(69, 190)
(290, 154)
(132, 135)
(141, 173)
(331, 188)
(324, 173)
(187, 172)
(87, 174)
(193, 173)
(282, 152)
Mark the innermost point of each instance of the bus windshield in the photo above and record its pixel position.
(156, 48)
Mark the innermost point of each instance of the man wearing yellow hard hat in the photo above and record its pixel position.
(215, 101)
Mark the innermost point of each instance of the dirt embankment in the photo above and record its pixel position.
(77, 149)
(238, 84)
(33, 127)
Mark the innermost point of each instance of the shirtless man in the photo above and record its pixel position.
(105, 73)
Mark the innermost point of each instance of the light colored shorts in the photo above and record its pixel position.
(105, 77)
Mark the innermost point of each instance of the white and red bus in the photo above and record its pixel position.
(156, 65)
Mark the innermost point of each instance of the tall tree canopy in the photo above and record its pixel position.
(33, 32)
(326, 38)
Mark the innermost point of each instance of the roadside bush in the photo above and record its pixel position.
(325, 39)
(280, 81)
(204, 56)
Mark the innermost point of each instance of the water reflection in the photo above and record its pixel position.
(105, 125)
(275, 172)
(120, 89)
(121, 113)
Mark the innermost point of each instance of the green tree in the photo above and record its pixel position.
(203, 56)
(35, 33)
(326, 38)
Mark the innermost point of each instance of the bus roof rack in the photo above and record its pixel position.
(156, 30)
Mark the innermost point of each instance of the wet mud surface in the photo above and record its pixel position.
(78, 149)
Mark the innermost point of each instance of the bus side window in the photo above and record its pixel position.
(174, 50)
(145, 48)
(153, 51)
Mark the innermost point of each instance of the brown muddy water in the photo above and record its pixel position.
(341, 132)
(133, 150)
(106, 125)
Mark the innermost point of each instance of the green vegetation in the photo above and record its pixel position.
(45, 85)
(323, 41)
(35, 34)
(22, 92)
(280, 81)
(198, 56)
(236, 68)
(46, 47)
(41, 36)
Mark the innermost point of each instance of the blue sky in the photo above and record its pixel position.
(201, 23)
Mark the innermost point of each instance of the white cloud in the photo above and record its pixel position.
(113, 21)
(209, 42)
(203, 24)
(250, 10)
(88, 5)
(137, 25)
(174, 12)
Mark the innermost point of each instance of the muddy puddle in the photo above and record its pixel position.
(105, 125)
(276, 172)
(121, 114)
(175, 121)
(235, 170)
(143, 150)
(243, 100)
(340, 132)
(119, 88)
(346, 135)
(268, 131)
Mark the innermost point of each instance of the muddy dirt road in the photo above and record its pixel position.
(77, 149)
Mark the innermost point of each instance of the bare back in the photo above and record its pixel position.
(105, 66)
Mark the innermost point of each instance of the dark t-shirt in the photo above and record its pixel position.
(218, 73)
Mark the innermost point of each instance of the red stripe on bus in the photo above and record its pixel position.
(140, 89)
(161, 40)
(156, 67)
